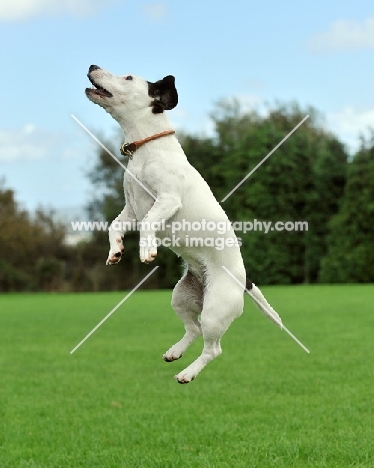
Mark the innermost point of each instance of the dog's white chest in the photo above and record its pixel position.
(136, 193)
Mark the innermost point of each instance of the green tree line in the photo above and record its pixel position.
(32, 250)
(311, 177)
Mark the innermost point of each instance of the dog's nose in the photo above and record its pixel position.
(92, 68)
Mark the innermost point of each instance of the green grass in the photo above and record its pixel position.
(114, 403)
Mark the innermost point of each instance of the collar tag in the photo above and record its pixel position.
(128, 149)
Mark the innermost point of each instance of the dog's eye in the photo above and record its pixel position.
(129, 77)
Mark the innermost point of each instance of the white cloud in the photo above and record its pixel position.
(349, 123)
(16, 10)
(345, 35)
(155, 11)
(244, 103)
(249, 102)
(26, 143)
(255, 83)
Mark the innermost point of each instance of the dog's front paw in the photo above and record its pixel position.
(113, 258)
(147, 254)
(115, 254)
(148, 249)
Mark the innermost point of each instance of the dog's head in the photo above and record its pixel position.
(130, 94)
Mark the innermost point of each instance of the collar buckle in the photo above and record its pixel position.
(128, 149)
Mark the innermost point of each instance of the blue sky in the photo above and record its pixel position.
(315, 53)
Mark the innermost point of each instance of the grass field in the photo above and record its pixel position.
(114, 403)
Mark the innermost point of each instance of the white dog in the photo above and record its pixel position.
(162, 190)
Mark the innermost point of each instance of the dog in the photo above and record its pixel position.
(162, 190)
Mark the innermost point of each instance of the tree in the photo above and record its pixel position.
(49, 273)
(303, 180)
(29, 245)
(350, 256)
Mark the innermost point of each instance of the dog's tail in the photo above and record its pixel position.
(261, 303)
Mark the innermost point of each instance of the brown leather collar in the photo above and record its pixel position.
(128, 149)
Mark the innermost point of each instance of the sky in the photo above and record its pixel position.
(318, 54)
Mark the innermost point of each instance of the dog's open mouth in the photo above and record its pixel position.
(97, 89)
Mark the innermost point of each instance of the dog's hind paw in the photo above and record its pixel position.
(190, 373)
(170, 357)
(184, 378)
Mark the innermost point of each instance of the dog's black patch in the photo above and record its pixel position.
(248, 284)
(165, 94)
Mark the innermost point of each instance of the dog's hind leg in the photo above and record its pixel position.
(222, 304)
(187, 302)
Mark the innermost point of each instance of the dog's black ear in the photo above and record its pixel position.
(164, 93)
